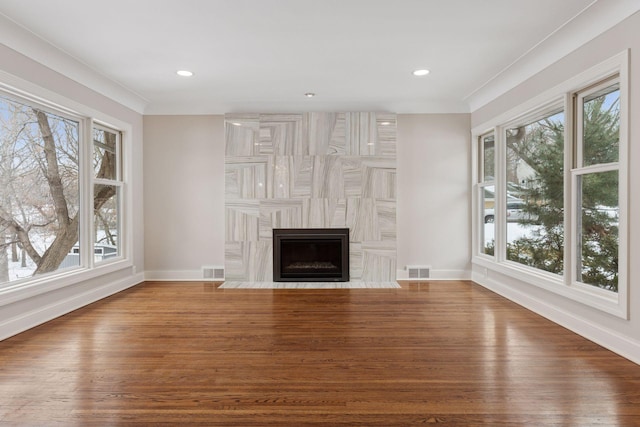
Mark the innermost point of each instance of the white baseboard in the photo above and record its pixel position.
(177, 276)
(39, 315)
(607, 338)
(196, 275)
(438, 275)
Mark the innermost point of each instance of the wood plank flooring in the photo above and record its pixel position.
(190, 353)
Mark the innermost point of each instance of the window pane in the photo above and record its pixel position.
(105, 154)
(601, 124)
(39, 191)
(488, 158)
(535, 193)
(488, 229)
(106, 222)
(598, 196)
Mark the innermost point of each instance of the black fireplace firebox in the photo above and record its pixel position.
(311, 254)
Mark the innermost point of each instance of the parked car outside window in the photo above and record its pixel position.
(515, 212)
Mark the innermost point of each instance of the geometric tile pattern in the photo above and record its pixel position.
(310, 170)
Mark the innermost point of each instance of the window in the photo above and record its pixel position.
(40, 190)
(595, 179)
(534, 192)
(486, 191)
(558, 189)
(44, 223)
(107, 185)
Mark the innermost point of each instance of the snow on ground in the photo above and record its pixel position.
(16, 272)
(515, 231)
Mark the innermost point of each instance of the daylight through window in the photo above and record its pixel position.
(42, 225)
(486, 190)
(535, 193)
(106, 193)
(596, 178)
(551, 192)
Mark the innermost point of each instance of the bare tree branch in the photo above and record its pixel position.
(52, 171)
(23, 237)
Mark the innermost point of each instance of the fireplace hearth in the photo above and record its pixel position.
(311, 254)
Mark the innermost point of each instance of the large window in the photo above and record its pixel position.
(553, 182)
(534, 192)
(43, 224)
(596, 186)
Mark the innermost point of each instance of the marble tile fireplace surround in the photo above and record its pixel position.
(310, 170)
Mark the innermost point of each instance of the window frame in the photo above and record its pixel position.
(578, 170)
(607, 301)
(56, 103)
(480, 191)
(116, 182)
(547, 109)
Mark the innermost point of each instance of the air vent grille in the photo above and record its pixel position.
(213, 273)
(418, 271)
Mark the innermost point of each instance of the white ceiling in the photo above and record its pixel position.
(264, 55)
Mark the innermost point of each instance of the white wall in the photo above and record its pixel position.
(183, 195)
(23, 309)
(434, 206)
(622, 336)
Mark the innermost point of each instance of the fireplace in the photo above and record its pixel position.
(311, 254)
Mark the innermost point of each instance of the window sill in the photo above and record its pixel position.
(608, 302)
(21, 291)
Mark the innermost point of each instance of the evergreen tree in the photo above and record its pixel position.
(541, 146)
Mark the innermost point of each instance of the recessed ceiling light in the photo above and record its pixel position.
(184, 73)
(420, 73)
(385, 123)
(309, 94)
(236, 123)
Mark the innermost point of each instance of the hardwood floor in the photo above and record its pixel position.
(188, 353)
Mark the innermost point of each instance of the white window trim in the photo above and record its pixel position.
(478, 193)
(56, 103)
(117, 182)
(480, 188)
(501, 179)
(616, 304)
(580, 170)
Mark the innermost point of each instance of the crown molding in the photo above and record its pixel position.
(598, 17)
(30, 45)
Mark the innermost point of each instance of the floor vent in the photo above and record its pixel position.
(213, 273)
(418, 271)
